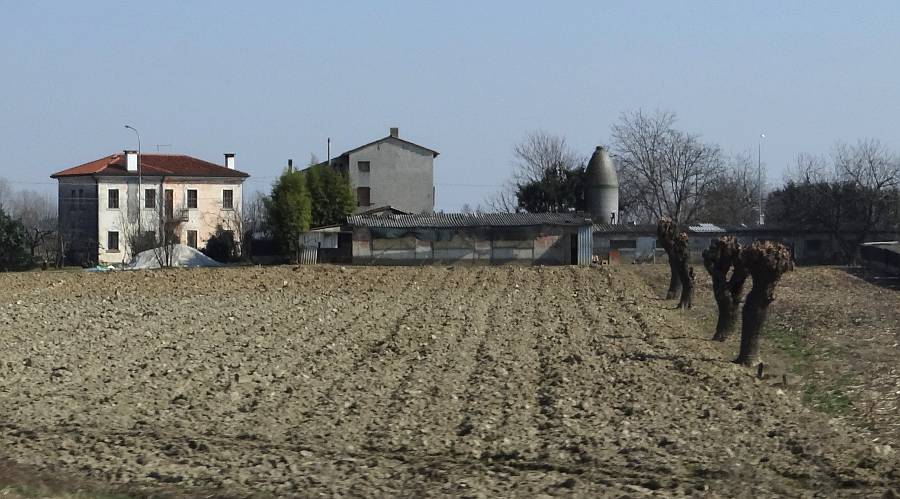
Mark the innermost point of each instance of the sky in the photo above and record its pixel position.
(273, 80)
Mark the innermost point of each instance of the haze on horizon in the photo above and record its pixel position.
(272, 81)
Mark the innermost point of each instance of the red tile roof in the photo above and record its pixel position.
(177, 165)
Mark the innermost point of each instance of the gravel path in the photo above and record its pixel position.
(494, 381)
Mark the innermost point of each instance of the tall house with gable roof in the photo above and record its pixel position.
(390, 172)
(105, 203)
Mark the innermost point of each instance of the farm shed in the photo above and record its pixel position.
(536, 238)
(881, 256)
(626, 243)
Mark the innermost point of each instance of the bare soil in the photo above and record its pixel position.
(361, 381)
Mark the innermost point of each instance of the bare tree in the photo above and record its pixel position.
(504, 200)
(808, 168)
(850, 194)
(159, 233)
(539, 153)
(37, 213)
(733, 196)
(663, 171)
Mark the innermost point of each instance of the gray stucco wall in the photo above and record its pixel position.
(77, 212)
(401, 175)
(532, 245)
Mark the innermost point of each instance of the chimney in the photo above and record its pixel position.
(395, 132)
(229, 160)
(291, 165)
(131, 160)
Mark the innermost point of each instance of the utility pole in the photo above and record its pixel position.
(759, 185)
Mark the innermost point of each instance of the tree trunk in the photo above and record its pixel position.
(766, 261)
(674, 279)
(723, 255)
(755, 311)
(687, 284)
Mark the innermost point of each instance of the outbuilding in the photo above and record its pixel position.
(488, 238)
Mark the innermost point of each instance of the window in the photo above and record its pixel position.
(623, 244)
(364, 166)
(149, 198)
(192, 238)
(192, 198)
(112, 241)
(363, 196)
(227, 199)
(114, 199)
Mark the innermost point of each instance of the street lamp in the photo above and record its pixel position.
(140, 180)
(759, 186)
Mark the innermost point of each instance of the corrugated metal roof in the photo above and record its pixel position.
(649, 229)
(449, 220)
(705, 227)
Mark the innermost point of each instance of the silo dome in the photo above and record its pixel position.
(602, 188)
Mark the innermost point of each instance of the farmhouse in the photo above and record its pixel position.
(387, 237)
(390, 172)
(105, 203)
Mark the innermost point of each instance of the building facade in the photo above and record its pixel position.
(106, 206)
(477, 238)
(390, 172)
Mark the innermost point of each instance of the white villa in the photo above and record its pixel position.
(104, 203)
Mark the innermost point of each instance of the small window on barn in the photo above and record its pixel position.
(227, 199)
(623, 244)
(364, 166)
(363, 196)
(113, 199)
(192, 198)
(150, 198)
(112, 241)
(192, 238)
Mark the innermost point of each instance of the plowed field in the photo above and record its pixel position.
(423, 381)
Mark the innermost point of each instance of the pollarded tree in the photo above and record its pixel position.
(724, 256)
(682, 254)
(666, 230)
(766, 262)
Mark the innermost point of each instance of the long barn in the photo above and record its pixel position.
(487, 238)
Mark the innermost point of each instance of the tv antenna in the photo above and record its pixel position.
(161, 145)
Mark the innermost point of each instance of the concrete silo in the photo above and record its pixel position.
(602, 188)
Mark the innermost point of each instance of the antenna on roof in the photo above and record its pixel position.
(161, 145)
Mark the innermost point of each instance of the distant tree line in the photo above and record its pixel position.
(28, 228)
(667, 172)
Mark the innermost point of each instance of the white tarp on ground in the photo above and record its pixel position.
(182, 256)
